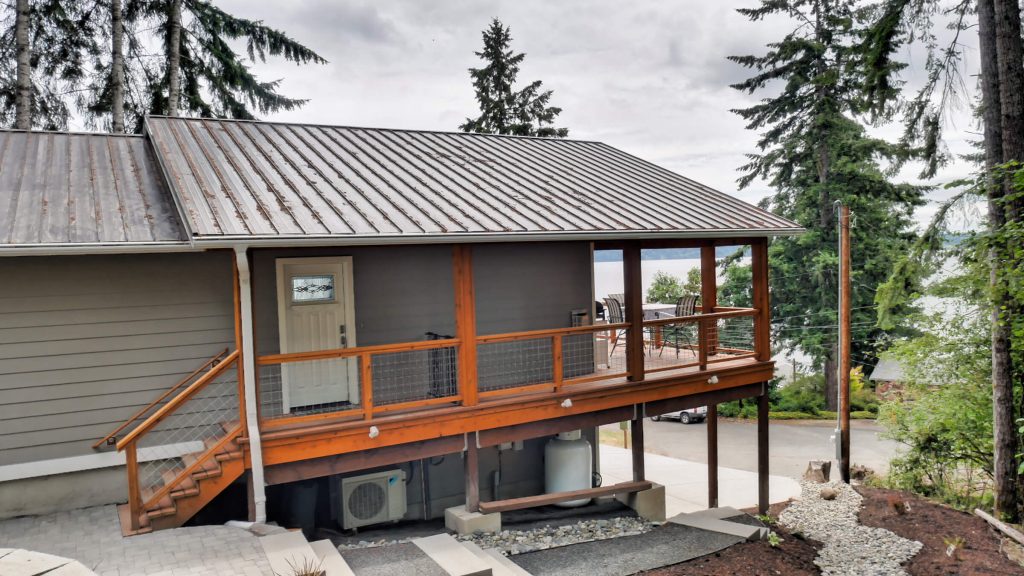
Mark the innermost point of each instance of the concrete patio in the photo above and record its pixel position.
(686, 483)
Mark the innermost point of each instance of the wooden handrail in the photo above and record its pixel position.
(699, 317)
(171, 390)
(173, 404)
(331, 353)
(548, 332)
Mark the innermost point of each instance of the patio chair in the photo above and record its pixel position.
(620, 298)
(613, 312)
(678, 335)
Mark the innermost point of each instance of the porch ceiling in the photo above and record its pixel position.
(260, 181)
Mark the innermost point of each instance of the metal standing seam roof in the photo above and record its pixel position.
(246, 180)
(82, 189)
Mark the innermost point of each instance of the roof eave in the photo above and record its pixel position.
(482, 237)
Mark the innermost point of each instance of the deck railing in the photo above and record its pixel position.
(415, 375)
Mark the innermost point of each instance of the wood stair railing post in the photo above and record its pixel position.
(134, 496)
(557, 369)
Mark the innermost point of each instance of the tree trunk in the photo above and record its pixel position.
(23, 90)
(832, 380)
(174, 59)
(1004, 433)
(116, 68)
(1010, 57)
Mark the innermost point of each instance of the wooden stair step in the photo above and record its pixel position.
(223, 456)
(180, 493)
(451, 556)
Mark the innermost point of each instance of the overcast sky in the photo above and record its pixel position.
(650, 77)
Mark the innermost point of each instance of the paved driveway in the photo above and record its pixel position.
(791, 444)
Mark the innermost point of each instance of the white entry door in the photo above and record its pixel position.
(316, 312)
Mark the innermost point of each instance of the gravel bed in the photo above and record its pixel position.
(849, 548)
(512, 542)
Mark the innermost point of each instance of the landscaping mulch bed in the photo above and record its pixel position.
(793, 557)
(933, 525)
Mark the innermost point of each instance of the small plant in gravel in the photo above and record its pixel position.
(954, 544)
(774, 539)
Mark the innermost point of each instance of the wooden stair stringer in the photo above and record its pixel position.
(187, 506)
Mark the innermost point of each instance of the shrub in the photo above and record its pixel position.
(806, 393)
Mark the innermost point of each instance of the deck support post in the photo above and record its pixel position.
(247, 373)
(712, 428)
(465, 322)
(707, 329)
(759, 277)
(472, 471)
(762, 451)
(634, 301)
(636, 429)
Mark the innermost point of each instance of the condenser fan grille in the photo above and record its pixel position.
(367, 500)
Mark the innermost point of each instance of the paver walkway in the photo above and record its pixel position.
(93, 537)
(686, 483)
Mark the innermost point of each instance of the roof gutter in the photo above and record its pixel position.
(74, 248)
(377, 239)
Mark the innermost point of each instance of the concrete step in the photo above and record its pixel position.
(500, 565)
(333, 563)
(289, 552)
(451, 556)
(722, 526)
(720, 513)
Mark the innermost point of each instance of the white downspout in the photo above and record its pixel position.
(259, 495)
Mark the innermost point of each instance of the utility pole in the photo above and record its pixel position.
(844, 343)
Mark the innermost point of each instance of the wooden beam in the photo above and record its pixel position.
(465, 321)
(363, 460)
(540, 428)
(636, 429)
(472, 471)
(556, 497)
(708, 301)
(703, 399)
(762, 451)
(762, 329)
(712, 429)
(634, 301)
(325, 439)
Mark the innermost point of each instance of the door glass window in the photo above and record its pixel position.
(316, 288)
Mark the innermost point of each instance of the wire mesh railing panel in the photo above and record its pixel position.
(671, 345)
(309, 387)
(414, 375)
(503, 365)
(591, 355)
(190, 430)
(733, 335)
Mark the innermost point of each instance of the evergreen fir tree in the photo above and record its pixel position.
(504, 110)
(813, 152)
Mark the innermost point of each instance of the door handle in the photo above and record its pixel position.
(343, 337)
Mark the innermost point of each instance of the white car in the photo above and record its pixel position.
(685, 416)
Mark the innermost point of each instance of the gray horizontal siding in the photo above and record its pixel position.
(87, 341)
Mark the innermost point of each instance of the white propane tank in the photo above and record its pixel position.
(567, 466)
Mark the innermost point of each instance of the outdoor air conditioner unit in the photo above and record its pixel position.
(372, 498)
